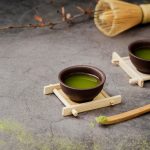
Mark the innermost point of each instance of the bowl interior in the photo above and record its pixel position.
(81, 69)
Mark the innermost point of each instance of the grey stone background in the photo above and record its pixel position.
(32, 58)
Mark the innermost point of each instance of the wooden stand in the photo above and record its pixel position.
(73, 108)
(125, 63)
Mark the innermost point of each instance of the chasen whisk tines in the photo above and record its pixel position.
(117, 16)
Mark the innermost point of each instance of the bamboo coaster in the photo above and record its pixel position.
(136, 77)
(73, 108)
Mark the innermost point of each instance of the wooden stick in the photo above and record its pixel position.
(73, 108)
(49, 88)
(136, 78)
(61, 97)
(117, 59)
(123, 116)
(125, 63)
(104, 94)
(91, 105)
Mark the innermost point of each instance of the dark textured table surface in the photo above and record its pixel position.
(32, 58)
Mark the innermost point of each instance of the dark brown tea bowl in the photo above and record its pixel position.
(141, 65)
(81, 95)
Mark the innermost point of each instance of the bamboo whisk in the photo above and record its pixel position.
(113, 16)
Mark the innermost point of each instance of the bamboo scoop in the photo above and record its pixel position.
(123, 116)
(113, 16)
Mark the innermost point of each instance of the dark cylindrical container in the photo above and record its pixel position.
(81, 95)
(141, 65)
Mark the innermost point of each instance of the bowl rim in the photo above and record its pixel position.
(84, 66)
(136, 42)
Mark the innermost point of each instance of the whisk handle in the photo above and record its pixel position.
(146, 13)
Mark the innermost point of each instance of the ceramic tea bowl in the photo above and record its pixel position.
(81, 95)
(141, 64)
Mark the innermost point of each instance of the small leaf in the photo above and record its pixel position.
(38, 18)
(68, 16)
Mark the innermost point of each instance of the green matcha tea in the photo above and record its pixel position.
(82, 81)
(143, 53)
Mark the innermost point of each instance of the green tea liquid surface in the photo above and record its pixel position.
(143, 53)
(82, 81)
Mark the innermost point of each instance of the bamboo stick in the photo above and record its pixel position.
(123, 116)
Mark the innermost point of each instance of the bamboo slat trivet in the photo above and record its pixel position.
(136, 77)
(73, 108)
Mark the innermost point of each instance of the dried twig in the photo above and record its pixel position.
(66, 17)
(51, 25)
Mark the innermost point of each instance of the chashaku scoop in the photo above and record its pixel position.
(113, 16)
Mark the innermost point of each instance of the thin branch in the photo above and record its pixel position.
(29, 26)
(66, 17)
